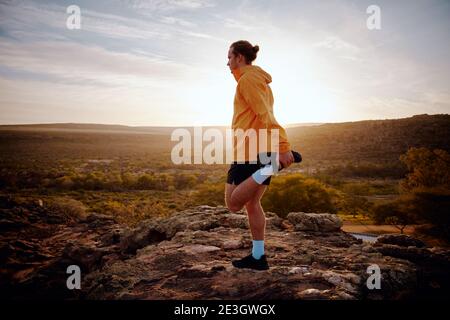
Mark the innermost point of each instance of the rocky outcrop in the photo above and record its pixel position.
(188, 255)
(402, 240)
(324, 222)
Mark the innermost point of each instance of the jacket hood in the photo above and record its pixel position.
(252, 70)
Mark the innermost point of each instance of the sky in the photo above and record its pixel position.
(163, 62)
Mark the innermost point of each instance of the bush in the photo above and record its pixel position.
(354, 205)
(65, 183)
(184, 181)
(129, 181)
(212, 194)
(146, 182)
(66, 209)
(298, 193)
(135, 211)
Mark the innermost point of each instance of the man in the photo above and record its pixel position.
(247, 182)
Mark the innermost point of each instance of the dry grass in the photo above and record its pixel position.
(375, 229)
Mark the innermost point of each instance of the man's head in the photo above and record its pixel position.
(241, 53)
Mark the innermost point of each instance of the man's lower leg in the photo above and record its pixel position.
(257, 221)
(257, 259)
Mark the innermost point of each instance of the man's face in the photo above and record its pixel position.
(234, 62)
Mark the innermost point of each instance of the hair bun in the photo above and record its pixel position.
(256, 49)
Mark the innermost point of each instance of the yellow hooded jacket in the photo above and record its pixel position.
(253, 106)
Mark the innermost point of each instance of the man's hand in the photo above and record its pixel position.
(286, 159)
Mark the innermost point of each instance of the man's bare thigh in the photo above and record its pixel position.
(229, 188)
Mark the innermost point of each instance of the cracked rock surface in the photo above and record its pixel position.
(188, 256)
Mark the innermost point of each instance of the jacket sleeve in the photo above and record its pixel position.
(256, 95)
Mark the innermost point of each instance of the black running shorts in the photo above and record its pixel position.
(239, 172)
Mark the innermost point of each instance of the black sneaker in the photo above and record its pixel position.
(297, 158)
(251, 263)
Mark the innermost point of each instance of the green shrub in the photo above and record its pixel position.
(298, 193)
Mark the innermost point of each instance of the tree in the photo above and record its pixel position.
(426, 191)
(427, 168)
(432, 205)
(397, 213)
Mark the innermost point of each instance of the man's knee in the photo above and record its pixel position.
(233, 207)
(253, 205)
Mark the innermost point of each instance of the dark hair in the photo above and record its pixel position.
(246, 49)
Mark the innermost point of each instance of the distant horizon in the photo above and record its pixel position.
(207, 125)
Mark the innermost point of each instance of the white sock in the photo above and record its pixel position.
(263, 174)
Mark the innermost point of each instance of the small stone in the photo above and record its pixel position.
(312, 293)
(298, 270)
(232, 244)
(198, 248)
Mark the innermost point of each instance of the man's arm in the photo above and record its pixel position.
(255, 95)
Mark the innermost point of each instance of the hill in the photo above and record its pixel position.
(371, 140)
(375, 141)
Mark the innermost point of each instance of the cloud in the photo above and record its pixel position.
(335, 43)
(437, 98)
(231, 23)
(31, 20)
(26, 19)
(78, 63)
(174, 20)
(168, 5)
